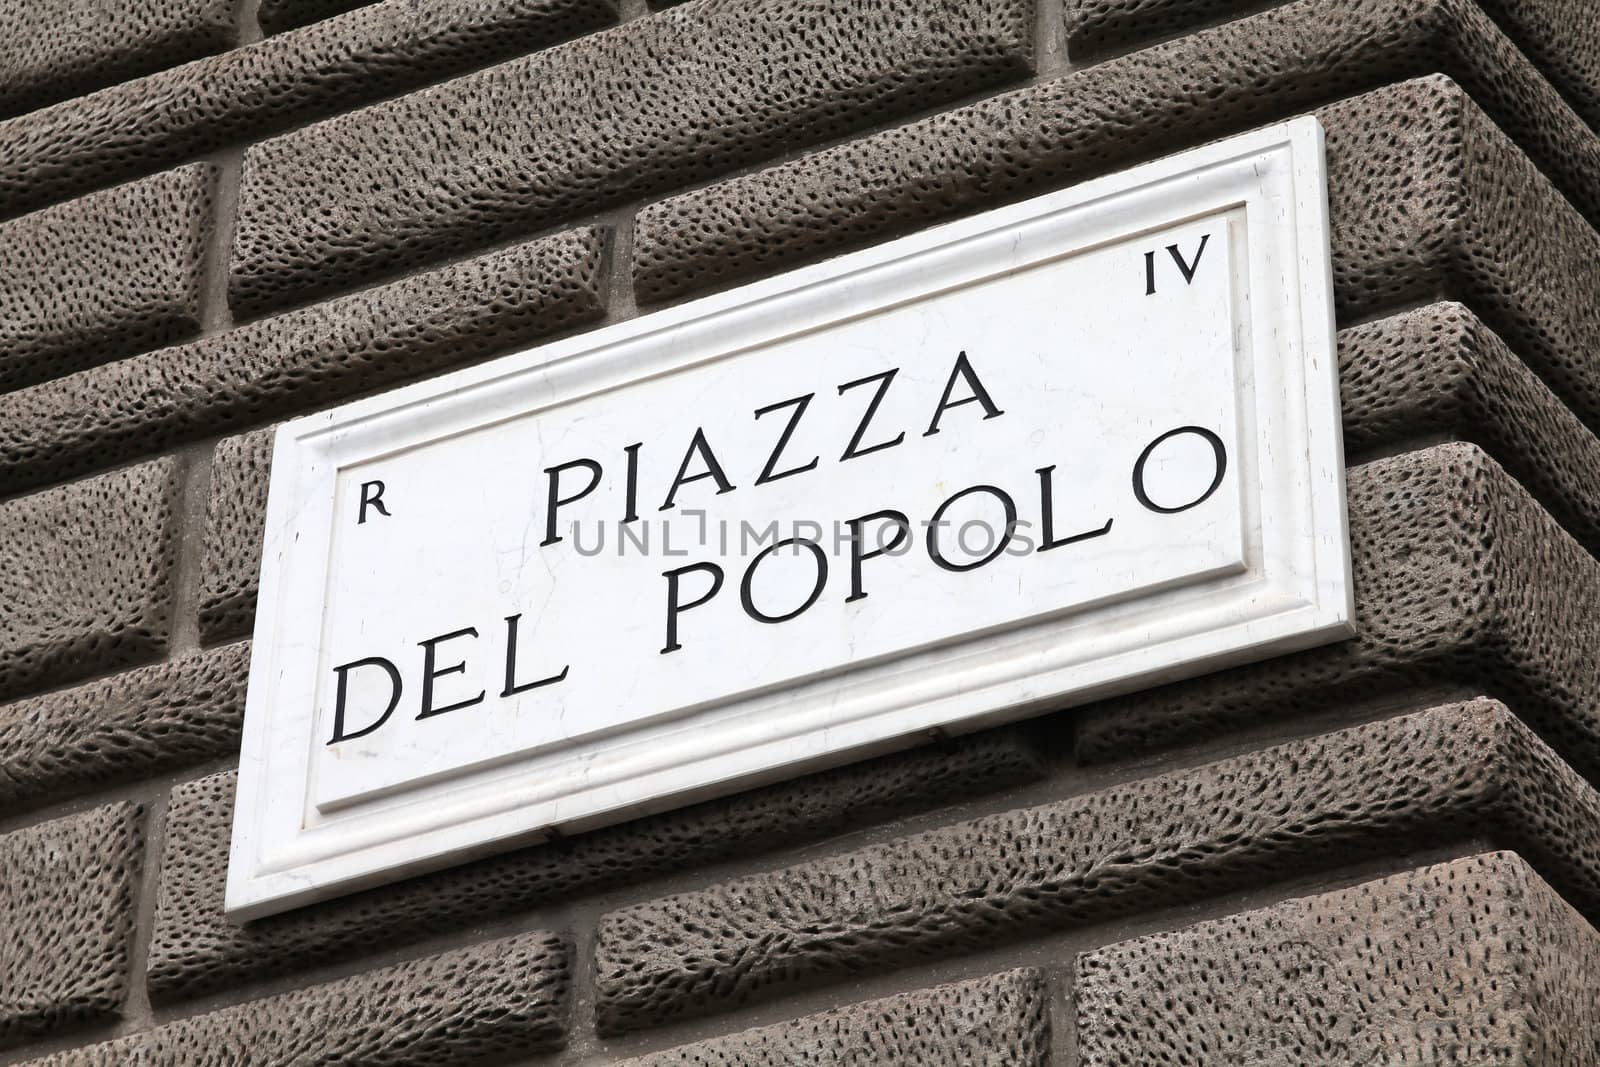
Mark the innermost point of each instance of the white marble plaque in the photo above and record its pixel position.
(1063, 449)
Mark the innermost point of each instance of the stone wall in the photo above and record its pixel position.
(215, 215)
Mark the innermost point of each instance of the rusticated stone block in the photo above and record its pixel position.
(165, 118)
(1456, 773)
(1561, 36)
(195, 949)
(276, 16)
(1476, 961)
(235, 515)
(1092, 121)
(1460, 579)
(1096, 26)
(496, 999)
(131, 725)
(301, 360)
(1428, 196)
(999, 1021)
(85, 576)
(66, 891)
(1495, 233)
(663, 100)
(1439, 373)
(112, 274)
(76, 46)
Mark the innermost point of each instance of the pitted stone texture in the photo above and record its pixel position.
(1472, 962)
(235, 519)
(1561, 36)
(195, 949)
(132, 725)
(1096, 26)
(497, 999)
(999, 1021)
(1427, 195)
(1461, 579)
(112, 274)
(86, 576)
(276, 16)
(59, 49)
(1456, 207)
(66, 892)
(1461, 772)
(302, 360)
(664, 100)
(1439, 372)
(270, 86)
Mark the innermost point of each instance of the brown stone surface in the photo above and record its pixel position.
(131, 725)
(1097, 26)
(196, 950)
(230, 568)
(86, 576)
(1428, 197)
(1561, 36)
(66, 916)
(999, 1021)
(463, 1007)
(96, 279)
(1439, 372)
(1456, 772)
(1472, 962)
(272, 85)
(301, 360)
(1460, 579)
(276, 16)
(53, 51)
(661, 101)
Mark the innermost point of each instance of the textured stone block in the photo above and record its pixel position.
(999, 1021)
(1094, 120)
(131, 725)
(1461, 772)
(1095, 26)
(195, 949)
(86, 576)
(497, 999)
(1561, 36)
(96, 279)
(1439, 373)
(301, 360)
(71, 47)
(66, 892)
(235, 519)
(1461, 579)
(276, 16)
(1476, 961)
(272, 85)
(663, 100)
(1428, 197)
